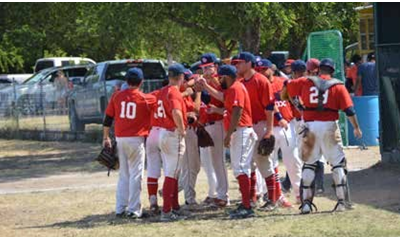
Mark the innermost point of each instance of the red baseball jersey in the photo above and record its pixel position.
(336, 98)
(131, 110)
(215, 116)
(154, 120)
(261, 95)
(237, 96)
(283, 106)
(168, 99)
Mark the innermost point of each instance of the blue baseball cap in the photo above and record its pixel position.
(247, 57)
(134, 73)
(328, 62)
(298, 66)
(227, 70)
(188, 74)
(176, 69)
(264, 63)
(208, 59)
(195, 66)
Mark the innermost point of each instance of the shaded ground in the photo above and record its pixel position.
(54, 189)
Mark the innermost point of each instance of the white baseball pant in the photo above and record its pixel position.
(213, 161)
(131, 155)
(172, 147)
(243, 141)
(286, 141)
(153, 153)
(190, 166)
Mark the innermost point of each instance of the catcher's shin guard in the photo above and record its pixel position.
(341, 185)
(307, 185)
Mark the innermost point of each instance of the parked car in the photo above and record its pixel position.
(27, 97)
(45, 63)
(8, 79)
(88, 101)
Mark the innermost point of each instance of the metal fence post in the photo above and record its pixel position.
(14, 107)
(42, 106)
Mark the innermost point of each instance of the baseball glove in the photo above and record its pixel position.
(109, 158)
(266, 146)
(203, 138)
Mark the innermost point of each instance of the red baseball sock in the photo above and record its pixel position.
(168, 194)
(270, 182)
(175, 200)
(253, 190)
(278, 189)
(244, 187)
(152, 186)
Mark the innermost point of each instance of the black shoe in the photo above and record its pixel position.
(120, 215)
(133, 216)
(241, 213)
(268, 206)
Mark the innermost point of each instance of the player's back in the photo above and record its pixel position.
(131, 109)
(169, 98)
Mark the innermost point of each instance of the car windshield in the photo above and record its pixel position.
(36, 77)
(150, 70)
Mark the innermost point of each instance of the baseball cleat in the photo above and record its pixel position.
(319, 191)
(268, 206)
(340, 206)
(307, 207)
(120, 215)
(283, 202)
(241, 213)
(170, 216)
(154, 210)
(220, 203)
(208, 200)
(132, 215)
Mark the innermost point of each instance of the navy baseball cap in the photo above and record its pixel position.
(247, 57)
(134, 73)
(188, 74)
(298, 66)
(208, 59)
(264, 63)
(227, 70)
(328, 62)
(176, 69)
(195, 66)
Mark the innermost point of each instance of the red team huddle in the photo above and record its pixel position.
(247, 103)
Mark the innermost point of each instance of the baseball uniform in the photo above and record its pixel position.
(130, 109)
(285, 139)
(243, 139)
(324, 127)
(171, 143)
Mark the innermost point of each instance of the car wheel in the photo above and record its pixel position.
(76, 125)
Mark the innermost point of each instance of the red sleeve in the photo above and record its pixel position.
(294, 87)
(189, 103)
(150, 99)
(344, 100)
(267, 93)
(110, 111)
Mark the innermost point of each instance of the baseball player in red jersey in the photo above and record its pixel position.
(240, 136)
(171, 112)
(323, 97)
(284, 132)
(262, 105)
(130, 109)
(213, 157)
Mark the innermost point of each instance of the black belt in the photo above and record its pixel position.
(325, 109)
(210, 123)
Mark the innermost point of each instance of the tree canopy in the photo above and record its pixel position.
(172, 31)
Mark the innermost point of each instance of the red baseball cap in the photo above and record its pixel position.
(312, 64)
(289, 62)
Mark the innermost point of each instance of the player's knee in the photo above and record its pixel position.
(308, 174)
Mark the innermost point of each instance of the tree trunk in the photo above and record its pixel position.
(251, 37)
(225, 50)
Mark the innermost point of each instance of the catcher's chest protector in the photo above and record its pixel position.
(323, 85)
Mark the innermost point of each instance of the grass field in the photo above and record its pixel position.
(54, 189)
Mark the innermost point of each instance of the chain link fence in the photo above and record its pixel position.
(44, 112)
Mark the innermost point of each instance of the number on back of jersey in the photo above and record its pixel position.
(128, 110)
(160, 110)
(314, 95)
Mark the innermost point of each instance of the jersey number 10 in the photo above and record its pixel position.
(128, 110)
(314, 95)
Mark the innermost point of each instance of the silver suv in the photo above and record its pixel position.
(88, 100)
